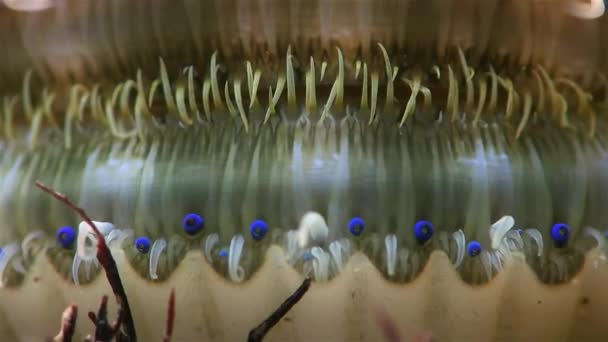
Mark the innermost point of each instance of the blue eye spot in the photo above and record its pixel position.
(66, 236)
(258, 229)
(423, 231)
(307, 256)
(142, 244)
(193, 224)
(356, 226)
(473, 248)
(223, 253)
(560, 233)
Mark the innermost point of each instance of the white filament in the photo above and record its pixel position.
(87, 268)
(210, 242)
(6, 255)
(292, 245)
(346, 246)
(486, 261)
(27, 241)
(157, 248)
(336, 254)
(514, 237)
(18, 265)
(499, 229)
(390, 242)
(338, 250)
(113, 236)
(75, 267)
(117, 236)
(312, 226)
(511, 245)
(76, 262)
(497, 258)
(504, 251)
(308, 267)
(596, 235)
(235, 271)
(561, 268)
(461, 242)
(535, 235)
(320, 263)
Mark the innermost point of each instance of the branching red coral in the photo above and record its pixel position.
(68, 324)
(104, 331)
(104, 256)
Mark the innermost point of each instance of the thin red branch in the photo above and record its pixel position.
(170, 317)
(104, 256)
(258, 333)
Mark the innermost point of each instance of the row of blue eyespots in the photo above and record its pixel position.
(560, 234)
(192, 225)
(423, 231)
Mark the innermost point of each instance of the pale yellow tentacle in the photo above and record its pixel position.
(493, 90)
(452, 103)
(526, 114)
(390, 92)
(364, 103)
(291, 83)
(410, 107)
(34, 131)
(166, 84)
(215, 86)
(311, 93)
(468, 76)
(273, 100)
(27, 96)
(239, 104)
(374, 98)
(340, 81)
(482, 99)
(194, 110)
(231, 109)
(206, 98)
(72, 111)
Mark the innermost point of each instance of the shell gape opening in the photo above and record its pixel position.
(231, 192)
